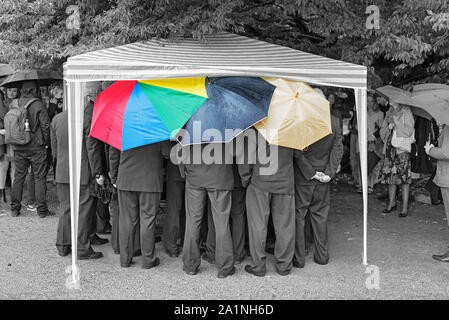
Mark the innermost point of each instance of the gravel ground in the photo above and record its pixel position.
(31, 269)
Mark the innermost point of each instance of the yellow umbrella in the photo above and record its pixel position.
(298, 115)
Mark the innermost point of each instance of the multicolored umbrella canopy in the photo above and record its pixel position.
(298, 116)
(130, 114)
(234, 105)
(434, 98)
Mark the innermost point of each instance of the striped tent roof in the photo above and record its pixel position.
(223, 54)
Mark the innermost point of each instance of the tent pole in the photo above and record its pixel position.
(361, 106)
(75, 124)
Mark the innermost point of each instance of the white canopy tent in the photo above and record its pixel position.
(224, 54)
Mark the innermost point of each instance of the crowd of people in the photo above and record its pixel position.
(218, 212)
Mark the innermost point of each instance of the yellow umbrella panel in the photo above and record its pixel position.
(298, 115)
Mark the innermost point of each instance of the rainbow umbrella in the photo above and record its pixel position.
(130, 114)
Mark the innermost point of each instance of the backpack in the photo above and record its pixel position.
(16, 130)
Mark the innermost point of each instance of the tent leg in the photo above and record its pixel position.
(361, 106)
(75, 125)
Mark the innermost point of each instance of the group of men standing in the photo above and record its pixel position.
(296, 194)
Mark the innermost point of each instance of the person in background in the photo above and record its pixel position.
(354, 155)
(33, 153)
(87, 203)
(43, 94)
(396, 167)
(375, 118)
(4, 163)
(55, 105)
(6, 158)
(174, 224)
(441, 154)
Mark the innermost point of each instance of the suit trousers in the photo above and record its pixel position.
(174, 224)
(87, 205)
(220, 201)
(115, 211)
(282, 206)
(237, 222)
(103, 216)
(313, 200)
(137, 211)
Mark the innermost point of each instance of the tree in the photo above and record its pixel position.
(413, 33)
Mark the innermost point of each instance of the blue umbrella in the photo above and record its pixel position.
(235, 103)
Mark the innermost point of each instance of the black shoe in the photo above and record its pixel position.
(152, 265)
(403, 214)
(63, 253)
(46, 214)
(126, 265)
(251, 270)
(283, 273)
(207, 258)
(436, 203)
(91, 255)
(393, 208)
(157, 239)
(298, 265)
(96, 240)
(14, 213)
(442, 257)
(190, 272)
(323, 263)
(224, 275)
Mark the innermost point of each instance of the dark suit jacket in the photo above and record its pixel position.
(281, 181)
(95, 147)
(60, 150)
(324, 155)
(210, 176)
(140, 169)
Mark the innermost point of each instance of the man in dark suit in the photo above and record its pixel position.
(97, 159)
(314, 168)
(269, 190)
(140, 184)
(237, 221)
(87, 203)
(214, 181)
(114, 161)
(174, 224)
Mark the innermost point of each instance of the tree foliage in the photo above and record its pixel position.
(413, 33)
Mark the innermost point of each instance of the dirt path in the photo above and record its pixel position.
(401, 248)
